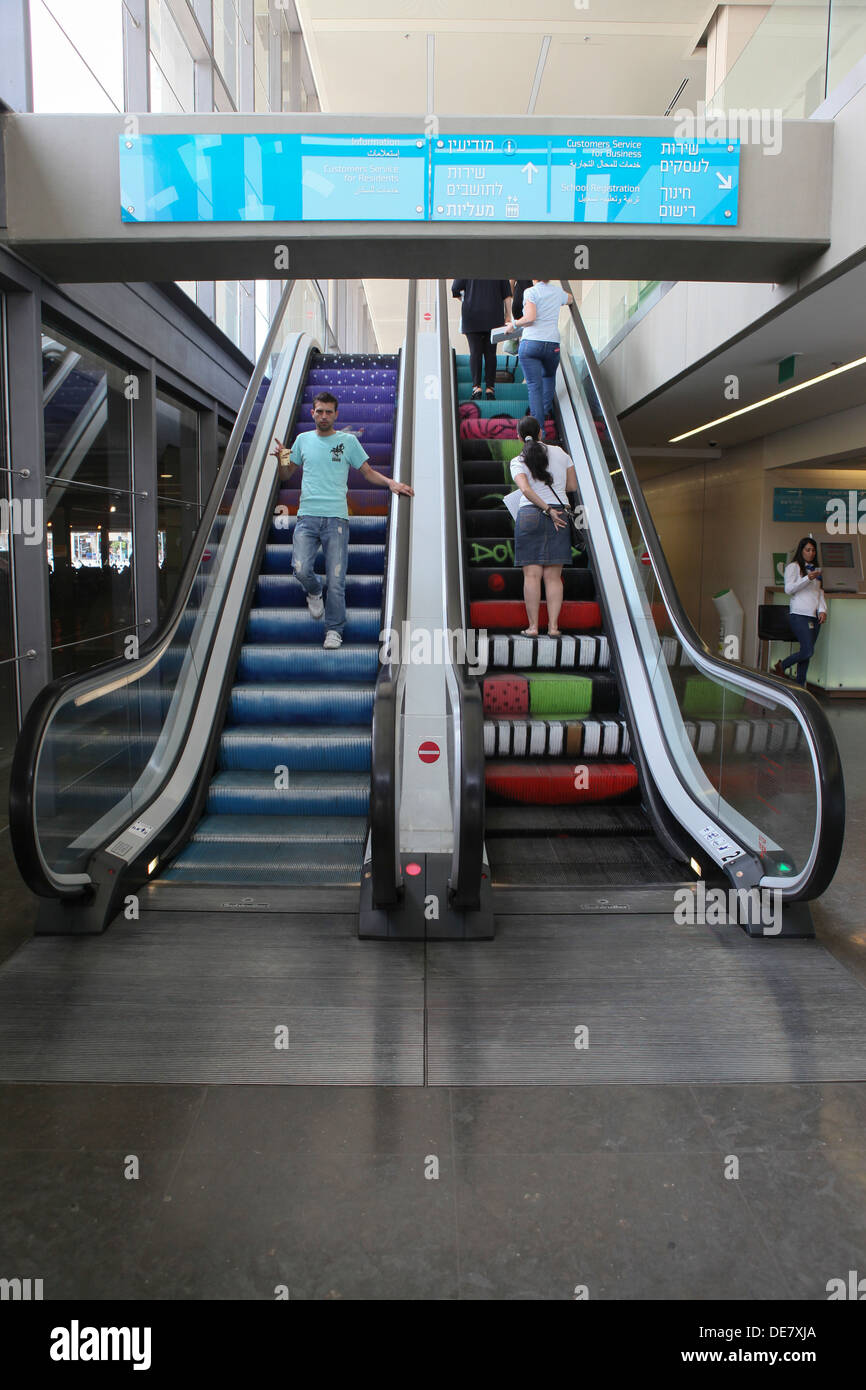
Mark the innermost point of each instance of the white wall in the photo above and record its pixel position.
(714, 518)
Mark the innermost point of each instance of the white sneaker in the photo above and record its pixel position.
(316, 605)
(333, 639)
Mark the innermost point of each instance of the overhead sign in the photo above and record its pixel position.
(811, 503)
(414, 178)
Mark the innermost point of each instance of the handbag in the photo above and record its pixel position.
(577, 533)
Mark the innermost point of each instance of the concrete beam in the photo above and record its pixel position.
(63, 213)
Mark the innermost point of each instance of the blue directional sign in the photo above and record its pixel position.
(413, 178)
(583, 178)
(273, 178)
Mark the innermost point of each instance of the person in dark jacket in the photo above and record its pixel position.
(486, 305)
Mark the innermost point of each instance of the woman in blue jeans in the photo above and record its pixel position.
(808, 607)
(539, 346)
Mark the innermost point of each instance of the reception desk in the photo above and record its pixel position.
(838, 666)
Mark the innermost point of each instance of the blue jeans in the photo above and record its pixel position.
(539, 362)
(806, 631)
(332, 533)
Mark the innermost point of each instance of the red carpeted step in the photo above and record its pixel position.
(559, 784)
(505, 695)
(509, 615)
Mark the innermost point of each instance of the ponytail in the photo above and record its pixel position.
(534, 453)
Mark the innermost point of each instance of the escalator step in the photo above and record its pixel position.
(554, 783)
(284, 591)
(483, 450)
(566, 820)
(266, 662)
(555, 738)
(548, 653)
(281, 830)
(362, 529)
(307, 794)
(302, 704)
(510, 615)
(545, 694)
(290, 865)
(296, 626)
(363, 559)
(499, 427)
(262, 748)
(506, 582)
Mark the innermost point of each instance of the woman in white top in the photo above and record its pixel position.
(808, 606)
(542, 534)
(539, 344)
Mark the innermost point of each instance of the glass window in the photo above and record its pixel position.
(8, 697)
(177, 490)
(261, 56)
(226, 43)
(77, 55)
(176, 450)
(86, 422)
(172, 68)
(227, 316)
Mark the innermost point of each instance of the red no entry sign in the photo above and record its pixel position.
(428, 316)
(428, 752)
(645, 559)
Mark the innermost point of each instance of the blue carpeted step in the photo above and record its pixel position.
(263, 662)
(262, 748)
(302, 704)
(307, 794)
(353, 395)
(294, 626)
(284, 591)
(363, 559)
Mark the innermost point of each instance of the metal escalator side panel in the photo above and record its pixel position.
(60, 777)
(709, 685)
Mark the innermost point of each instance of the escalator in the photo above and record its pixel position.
(235, 750)
(289, 800)
(625, 762)
(562, 791)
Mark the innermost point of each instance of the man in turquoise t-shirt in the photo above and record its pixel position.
(326, 455)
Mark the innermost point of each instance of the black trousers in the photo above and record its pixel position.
(480, 347)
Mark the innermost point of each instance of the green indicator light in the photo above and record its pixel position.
(785, 868)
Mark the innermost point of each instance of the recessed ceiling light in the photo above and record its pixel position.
(770, 400)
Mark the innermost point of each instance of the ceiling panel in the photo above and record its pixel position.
(367, 72)
(485, 78)
(434, 14)
(612, 76)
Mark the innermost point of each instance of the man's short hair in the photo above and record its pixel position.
(327, 399)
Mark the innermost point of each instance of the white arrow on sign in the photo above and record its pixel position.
(529, 169)
(725, 180)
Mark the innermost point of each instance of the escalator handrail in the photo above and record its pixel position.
(810, 715)
(384, 796)
(464, 691)
(22, 782)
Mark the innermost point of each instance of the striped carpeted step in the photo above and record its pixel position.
(555, 738)
(363, 530)
(501, 427)
(560, 783)
(548, 653)
(274, 830)
(289, 864)
(582, 820)
(363, 559)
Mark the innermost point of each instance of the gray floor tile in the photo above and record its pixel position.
(74, 1221)
(811, 1208)
(325, 1120)
(71, 1116)
(807, 1115)
(625, 1226)
(581, 1119)
(357, 1227)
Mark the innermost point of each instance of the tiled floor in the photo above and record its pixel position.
(635, 1191)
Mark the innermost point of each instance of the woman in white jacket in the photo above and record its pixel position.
(808, 606)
